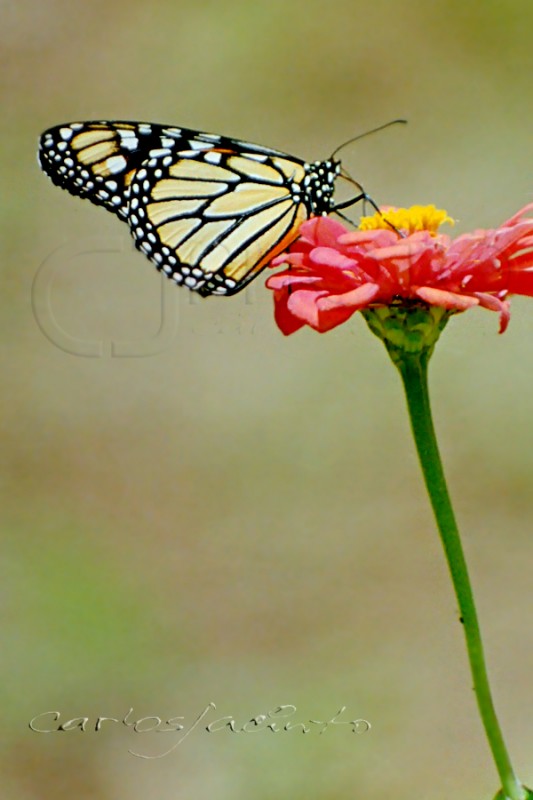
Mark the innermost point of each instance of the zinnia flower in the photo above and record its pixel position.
(334, 272)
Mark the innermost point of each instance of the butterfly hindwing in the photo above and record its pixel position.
(211, 218)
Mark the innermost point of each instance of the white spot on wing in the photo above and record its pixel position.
(160, 151)
(196, 145)
(129, 144)
(116, 164)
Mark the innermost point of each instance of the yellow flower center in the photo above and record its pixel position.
(410, 220)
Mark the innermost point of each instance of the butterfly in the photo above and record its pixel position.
(210, 211)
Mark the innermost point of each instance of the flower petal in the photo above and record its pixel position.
(356, 299)
(287, 278)
(495, 304)
(446, 299)
(297, 259)
(302, 304)
(521, 281)
(321, 231)
(327, 256)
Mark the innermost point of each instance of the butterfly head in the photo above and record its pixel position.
(319, 185)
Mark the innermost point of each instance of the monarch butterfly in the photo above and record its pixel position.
(211, 212)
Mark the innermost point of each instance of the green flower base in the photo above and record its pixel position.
(407, 328)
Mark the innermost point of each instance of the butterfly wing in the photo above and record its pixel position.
(213, 216)
(208, 210)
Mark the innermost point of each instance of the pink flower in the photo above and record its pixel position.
(334, 272)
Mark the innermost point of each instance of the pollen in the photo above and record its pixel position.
(416, 218)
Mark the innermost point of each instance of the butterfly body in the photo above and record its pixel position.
(211, 212)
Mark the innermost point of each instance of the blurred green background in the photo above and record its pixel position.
(239, 517)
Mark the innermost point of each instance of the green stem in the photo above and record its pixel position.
(413, 369)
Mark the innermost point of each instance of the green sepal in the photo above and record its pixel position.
(407, 328)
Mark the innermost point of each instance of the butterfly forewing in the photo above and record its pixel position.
(96, 160)
(208, 210)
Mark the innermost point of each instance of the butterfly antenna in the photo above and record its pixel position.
(368, 133)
